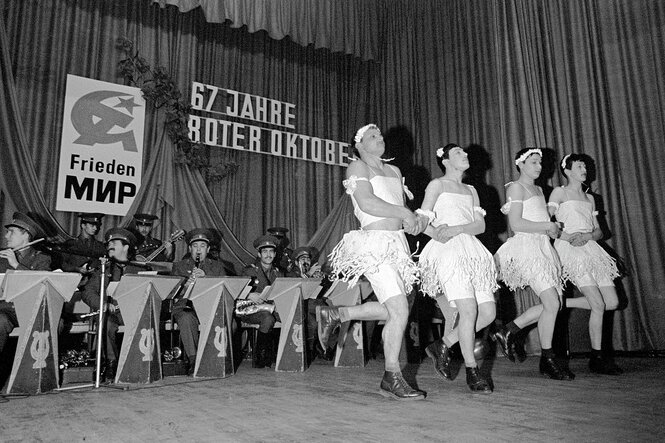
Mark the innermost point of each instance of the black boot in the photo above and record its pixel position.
(505, 338)
(394, 386)
(476, 382)
(549, 367)
(263, 357)
(600, 365)
(327, 319)
(109, 371)
(191, 365)
(440, 355)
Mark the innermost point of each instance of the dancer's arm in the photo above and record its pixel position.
(370, 203)
(557, 197)
(515, 195)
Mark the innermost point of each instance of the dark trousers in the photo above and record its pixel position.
(113, 322)
(188, 324)
(8, 322)
(264, 319)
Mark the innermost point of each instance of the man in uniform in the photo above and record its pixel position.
(263, 274)
(283, 252)
(197, 265)
(149, 245)
(85, 249)
(120, 247)
(20, 231)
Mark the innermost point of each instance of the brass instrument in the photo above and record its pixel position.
(249, 307)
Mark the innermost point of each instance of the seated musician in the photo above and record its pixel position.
(149, 244)
(302, 267)
(120, 247)
(197, 265)
(263, 274)
(20, 232)
(85, 249)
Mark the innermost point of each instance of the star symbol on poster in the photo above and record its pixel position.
(128, 104)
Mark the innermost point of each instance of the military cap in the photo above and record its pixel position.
(266, 241)
(94, 218)
(120, 234)
(199, 234)
(144, 219)
(24, 222)
(299, 252)
(277, 231)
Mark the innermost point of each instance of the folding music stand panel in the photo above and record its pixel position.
(310, 287)
(350, 350)
(140, 299)
(213, 301)
(38, 301)
(164, 285)
(339, 286)
(291, 350)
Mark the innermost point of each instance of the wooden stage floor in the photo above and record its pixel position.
(338, 405)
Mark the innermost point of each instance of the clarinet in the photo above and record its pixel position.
(189, 285)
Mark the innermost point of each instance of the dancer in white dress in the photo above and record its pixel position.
(456, 263)
(379, 251)
(528, 259)
(584, 262)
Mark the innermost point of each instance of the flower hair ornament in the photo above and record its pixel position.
(526, 155)
(563, 162)
(439, 152)
(361, 132)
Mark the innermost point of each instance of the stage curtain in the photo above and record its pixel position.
(18, 179)
(339, 26)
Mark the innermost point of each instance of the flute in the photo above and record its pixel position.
(27, 245)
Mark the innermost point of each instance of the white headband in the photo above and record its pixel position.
(361, 132)
(563, 162)
(526, 155)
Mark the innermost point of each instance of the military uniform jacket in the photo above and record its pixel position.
(90, 246)
(212, 268)
(28, 260)
(114, 271)
(263, 278)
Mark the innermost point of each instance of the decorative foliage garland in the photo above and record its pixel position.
(161, 91)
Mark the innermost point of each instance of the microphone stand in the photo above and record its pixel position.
(100, 341)
(100, 324)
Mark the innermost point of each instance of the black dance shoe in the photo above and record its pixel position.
(600, 365)
(440, 355)
(506, 341)
(394, 386)
(327, 319)
(476, 382)
(550, 368)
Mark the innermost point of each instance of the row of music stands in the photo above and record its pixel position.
(38, 298)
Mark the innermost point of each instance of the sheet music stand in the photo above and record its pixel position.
(288, 295)
(214, 299)
(140, 300)
(350, 350)
(38, 297)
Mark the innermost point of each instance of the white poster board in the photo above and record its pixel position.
(101, 151)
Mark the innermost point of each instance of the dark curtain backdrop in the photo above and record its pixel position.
(583, 76)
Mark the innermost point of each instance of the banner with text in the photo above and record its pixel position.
(101, 152)
(272, 132)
